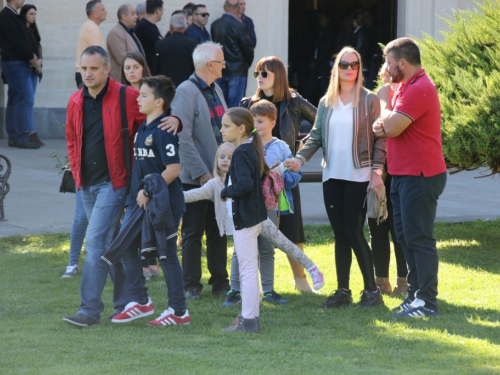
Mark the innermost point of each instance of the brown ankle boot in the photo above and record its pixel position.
(384, 284)
(401, 287)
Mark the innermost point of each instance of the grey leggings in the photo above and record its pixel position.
(269, 238)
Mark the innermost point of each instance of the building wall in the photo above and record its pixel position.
(419, 17)
(59, 22)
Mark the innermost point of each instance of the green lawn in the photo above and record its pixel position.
(296, 338)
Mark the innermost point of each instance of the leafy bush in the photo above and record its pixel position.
(466, 70)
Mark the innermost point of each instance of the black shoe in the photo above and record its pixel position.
(80, 320)
(220, 292)
(338, 298)
(371, 299)
(12, 144)
(232, 298)
(193, 293)
(273, 297)
(27, 144)
(113, 314)
(35, 139)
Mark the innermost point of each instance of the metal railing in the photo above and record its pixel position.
(4, 185)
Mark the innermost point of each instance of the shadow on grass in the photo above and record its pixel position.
(472, 244)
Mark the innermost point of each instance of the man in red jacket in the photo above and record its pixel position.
(96, 155)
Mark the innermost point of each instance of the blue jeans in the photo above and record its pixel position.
(34, 84)
(171, 267)
(78, 229)
(414, 201)
(104, 207)
(233, 89)
(21, 98)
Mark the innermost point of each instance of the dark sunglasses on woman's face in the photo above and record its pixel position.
(344, 65)
(262, 73)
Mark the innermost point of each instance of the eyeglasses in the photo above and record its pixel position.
(203, 14)
(264, 74)
(223, 62)
(344, 65)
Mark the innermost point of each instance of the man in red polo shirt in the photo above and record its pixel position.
(411, 119)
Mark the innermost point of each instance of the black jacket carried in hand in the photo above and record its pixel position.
(174, 57)
(148, 229)
(238, 48)
(290, 114)
(15, 42)
(249, 208)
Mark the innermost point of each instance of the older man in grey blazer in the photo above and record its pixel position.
(200, 104)
(122, 40)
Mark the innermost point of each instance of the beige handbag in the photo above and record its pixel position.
(376, 205)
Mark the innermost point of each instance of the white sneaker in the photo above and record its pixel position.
(71, 271)
(317, 278)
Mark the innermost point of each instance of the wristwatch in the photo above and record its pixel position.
(145, 193)
(378, 171)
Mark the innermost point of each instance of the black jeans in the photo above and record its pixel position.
(344, 203)
(381, 247)
(414, 200)
(199, 219)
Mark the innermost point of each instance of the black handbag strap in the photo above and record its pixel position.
(209, 101)
(125, 133)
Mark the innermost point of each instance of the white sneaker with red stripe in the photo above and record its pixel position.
(167, 318)
(134, 311)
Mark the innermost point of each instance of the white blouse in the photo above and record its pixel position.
(340, 163)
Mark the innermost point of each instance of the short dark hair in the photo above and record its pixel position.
(264, 108)
(188, 8)
(91, 6)
(404, 48)
(122, 10)
(179, 11)
(153, 5)
(162, 87)
(195, 8)
(97, 50)
(234, 6)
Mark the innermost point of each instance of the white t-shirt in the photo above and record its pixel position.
(340, 163)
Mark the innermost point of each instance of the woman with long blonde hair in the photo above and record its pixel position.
(353, 161)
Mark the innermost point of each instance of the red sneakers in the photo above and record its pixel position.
(134, 311)
(168, 318)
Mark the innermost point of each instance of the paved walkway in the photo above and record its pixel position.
(34, 204)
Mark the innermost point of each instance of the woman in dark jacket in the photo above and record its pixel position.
(292, 108)
(28, 13)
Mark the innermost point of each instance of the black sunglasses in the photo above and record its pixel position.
(262, 73)
(344, 65)
(203, 14)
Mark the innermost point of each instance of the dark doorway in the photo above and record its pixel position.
(318, 29)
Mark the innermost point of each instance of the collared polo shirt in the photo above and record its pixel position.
(418, 149)
(94, 161)
(197, 33)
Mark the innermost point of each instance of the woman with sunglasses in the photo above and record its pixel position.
(272, 85)
(353, 159)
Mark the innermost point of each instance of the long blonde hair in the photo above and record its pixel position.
(333, 92)
(217, 171)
